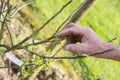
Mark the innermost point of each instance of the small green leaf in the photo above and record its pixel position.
(58, 40)
(2, 51)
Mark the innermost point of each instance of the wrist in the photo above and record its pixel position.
(110, 51)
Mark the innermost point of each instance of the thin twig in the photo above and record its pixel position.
(46, 40)
(56, 52)
(102, 52)
(18, 7)
(112, 40)
(4, 19)
(9, 35)
(4, 16)
(67, 57)
(5, 46)
(3, 5)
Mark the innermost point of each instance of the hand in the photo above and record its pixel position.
(89, 41)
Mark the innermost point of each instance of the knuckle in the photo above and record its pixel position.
(71, 24)
(89, 30)
(70, 48)
(72, 29)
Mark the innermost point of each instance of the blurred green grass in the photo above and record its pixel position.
(103, 18)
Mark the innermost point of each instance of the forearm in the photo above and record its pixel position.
(114, 54)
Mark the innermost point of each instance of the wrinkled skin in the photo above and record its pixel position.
(89, 41)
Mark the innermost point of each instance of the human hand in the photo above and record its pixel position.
(90, 42)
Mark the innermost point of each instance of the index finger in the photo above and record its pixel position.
(72, 31)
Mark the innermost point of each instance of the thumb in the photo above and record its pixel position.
(75, 47)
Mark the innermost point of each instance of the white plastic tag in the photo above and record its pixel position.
(14, 59)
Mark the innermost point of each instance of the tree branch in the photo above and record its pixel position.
(53, 36)
(27, 38)
(3, 16)
(68, 57)
(37, 43)
(9, 35)
(5, 46)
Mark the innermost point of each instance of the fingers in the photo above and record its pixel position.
(72, 31)
(75, 47)
(70, 39)
(70, 25)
